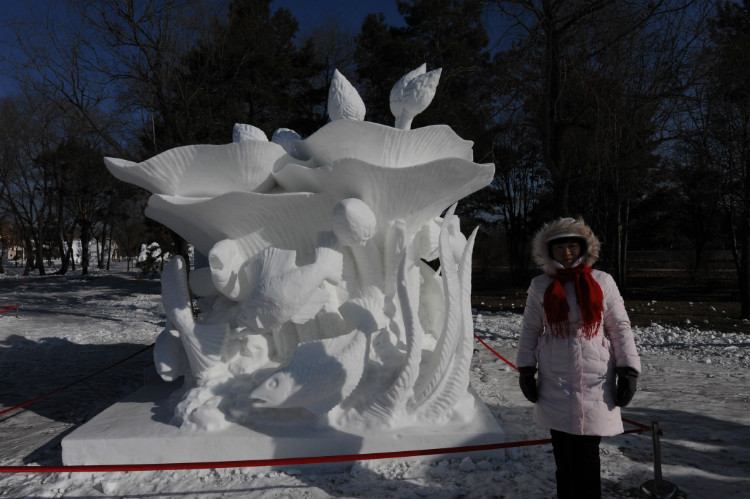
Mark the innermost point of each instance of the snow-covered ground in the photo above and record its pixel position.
(695, 384)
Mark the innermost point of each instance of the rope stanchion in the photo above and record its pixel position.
(6, 411)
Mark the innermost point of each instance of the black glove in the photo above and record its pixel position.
(627, 378)
(527, 382)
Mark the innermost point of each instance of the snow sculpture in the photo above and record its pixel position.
(317, 305)
(412, 94)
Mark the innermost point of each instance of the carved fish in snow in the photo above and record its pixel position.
(321, 375)
(282, 291)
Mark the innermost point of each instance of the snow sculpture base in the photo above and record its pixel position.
(136, 430)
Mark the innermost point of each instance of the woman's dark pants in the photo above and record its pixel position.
(578, 468)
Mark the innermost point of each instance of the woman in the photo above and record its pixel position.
(577, 334)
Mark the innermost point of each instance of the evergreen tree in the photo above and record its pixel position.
(248, 70)
(447, 34)
(728, 84)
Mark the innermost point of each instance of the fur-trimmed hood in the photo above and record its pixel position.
(563, 227)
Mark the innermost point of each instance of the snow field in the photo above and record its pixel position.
(695, 383)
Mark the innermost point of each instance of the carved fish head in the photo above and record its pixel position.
(274, 391)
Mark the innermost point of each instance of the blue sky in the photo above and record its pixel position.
(352, 12)
(308, 12)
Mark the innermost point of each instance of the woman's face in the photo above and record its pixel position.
(566, 252)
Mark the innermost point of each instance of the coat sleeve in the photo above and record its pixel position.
(531, 329)
(617, 327)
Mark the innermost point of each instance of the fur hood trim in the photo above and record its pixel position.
(563, 227)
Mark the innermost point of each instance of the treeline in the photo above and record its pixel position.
(633, 114)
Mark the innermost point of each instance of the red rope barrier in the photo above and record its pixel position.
(6, 411)
(642, 427)
(7, 308)
(497, 354)
(270, 462)
(93, 468)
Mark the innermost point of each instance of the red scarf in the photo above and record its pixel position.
(588, 295)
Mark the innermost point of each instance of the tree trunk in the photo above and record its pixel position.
(39, 255)
(29, 255)
(516, 237)
(65, 263)
(551, 126)
(64, 253)
(744, 271)
(71, 250)
(626, 236)
(100, 250)
(109, 252)
(621, 245)
(85, 238)
(561, 196)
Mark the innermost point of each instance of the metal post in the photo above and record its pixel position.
(657, 457)
(658, 487)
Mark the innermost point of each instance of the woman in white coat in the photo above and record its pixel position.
(576, 334)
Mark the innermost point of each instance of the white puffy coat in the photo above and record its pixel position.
(576, 384)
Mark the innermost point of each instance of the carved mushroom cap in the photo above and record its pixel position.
(384, 145)
(203, 170)
(287, 221)
(416, 194)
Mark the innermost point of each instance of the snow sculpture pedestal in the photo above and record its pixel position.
(136, 430)
(334, 315)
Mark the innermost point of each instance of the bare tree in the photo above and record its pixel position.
(639, 81)
(519, 179)
(564, 48)
(58, 64)
(27, 190)
(139, 48)
(109, 64)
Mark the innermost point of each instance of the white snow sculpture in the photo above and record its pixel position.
(344, 102)
(412, 94)
(285, 292)
(287, 139)
(317, 300)
(242, 132)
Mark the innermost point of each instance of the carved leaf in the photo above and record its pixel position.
(446, 346)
